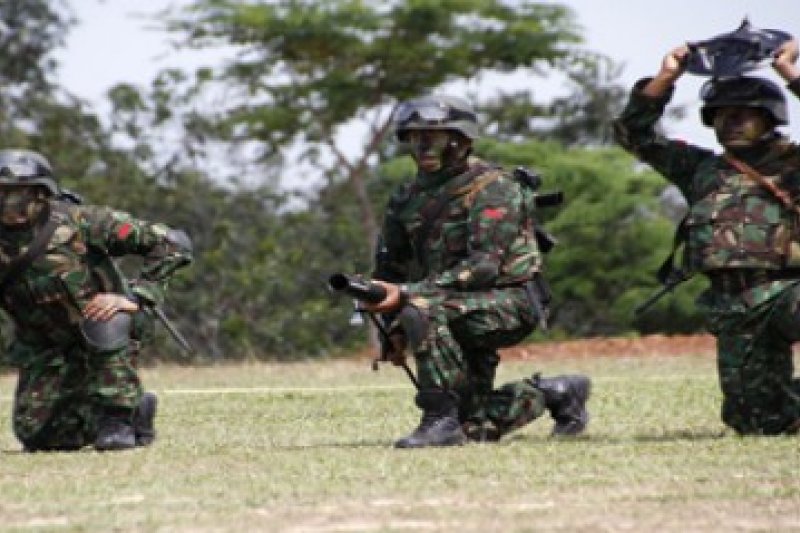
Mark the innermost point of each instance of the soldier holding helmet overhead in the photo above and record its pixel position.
(742, 230)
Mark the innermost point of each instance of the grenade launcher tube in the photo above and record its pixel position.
(364, 291)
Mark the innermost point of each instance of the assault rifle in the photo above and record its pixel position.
(371, 293)
(157, 312)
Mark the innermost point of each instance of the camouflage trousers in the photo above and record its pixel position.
(61, 393)
(754, 360)
(459, 354)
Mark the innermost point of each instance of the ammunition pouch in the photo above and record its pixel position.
(540, 296)
(108, 335)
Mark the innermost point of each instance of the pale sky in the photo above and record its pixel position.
(115, 42)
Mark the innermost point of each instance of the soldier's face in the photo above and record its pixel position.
(19, 204)
(429, 148)
(740, 127)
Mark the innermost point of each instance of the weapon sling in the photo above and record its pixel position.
(454, 189)
(781, 195)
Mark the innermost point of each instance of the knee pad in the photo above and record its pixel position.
(107, 335)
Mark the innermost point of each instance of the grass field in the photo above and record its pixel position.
(307, 447)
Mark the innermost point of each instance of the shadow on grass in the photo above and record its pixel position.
(663, 436)
(333, 445)
(683, 434)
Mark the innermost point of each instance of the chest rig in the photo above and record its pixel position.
(748, 221)
(49, 274)
(443, 215)
(743, 230)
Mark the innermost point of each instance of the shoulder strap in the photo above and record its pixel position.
(781, 195)
(457, 187)
(36, 249)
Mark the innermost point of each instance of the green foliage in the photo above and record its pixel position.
(307, 69)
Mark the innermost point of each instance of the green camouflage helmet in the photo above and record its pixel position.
(436, 113)
(743, 91)
(26, 167)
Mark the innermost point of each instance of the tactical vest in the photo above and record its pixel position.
(440, 235)
(740, 224)
(53, 290)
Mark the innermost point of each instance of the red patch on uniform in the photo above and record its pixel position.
(124, 230)
(494, 213)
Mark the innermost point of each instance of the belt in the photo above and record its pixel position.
(736, 280)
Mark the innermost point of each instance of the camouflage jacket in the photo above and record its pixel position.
(733, 222)
(47, 298)
(468, 232)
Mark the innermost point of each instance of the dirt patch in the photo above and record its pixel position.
(646, 346)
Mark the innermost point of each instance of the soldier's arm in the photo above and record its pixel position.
(163, 249)
(635, 129)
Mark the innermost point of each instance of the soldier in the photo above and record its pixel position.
(73, 311)
(741, 231)
(461, 266)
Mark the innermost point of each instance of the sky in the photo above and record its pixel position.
(117, 41)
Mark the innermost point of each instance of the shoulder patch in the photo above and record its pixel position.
(493, 213)
(124, 230)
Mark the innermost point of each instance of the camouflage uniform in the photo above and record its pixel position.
(746, 242)
(466, 272)
(461, 243)
(65, 385)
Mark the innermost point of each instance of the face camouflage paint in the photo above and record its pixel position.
(739, 127)
(428, 148)
(19, 205)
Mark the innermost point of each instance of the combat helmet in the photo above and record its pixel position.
(26, 167)
(743, 91)
(438, 112)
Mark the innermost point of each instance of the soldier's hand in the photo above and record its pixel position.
(395, 349)
(672, 67)
(785, 59)
(392, 301)
(674, 63)
(105, 305)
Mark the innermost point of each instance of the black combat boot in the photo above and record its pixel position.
(115, 431)
(439, 425)
(144, 419)
(565, 397)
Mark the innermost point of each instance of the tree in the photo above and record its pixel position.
(308, 70)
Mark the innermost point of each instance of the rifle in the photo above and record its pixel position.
(156, 311)
(372, 293)
(672, 280)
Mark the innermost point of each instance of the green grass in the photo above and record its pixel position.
(307, 447)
